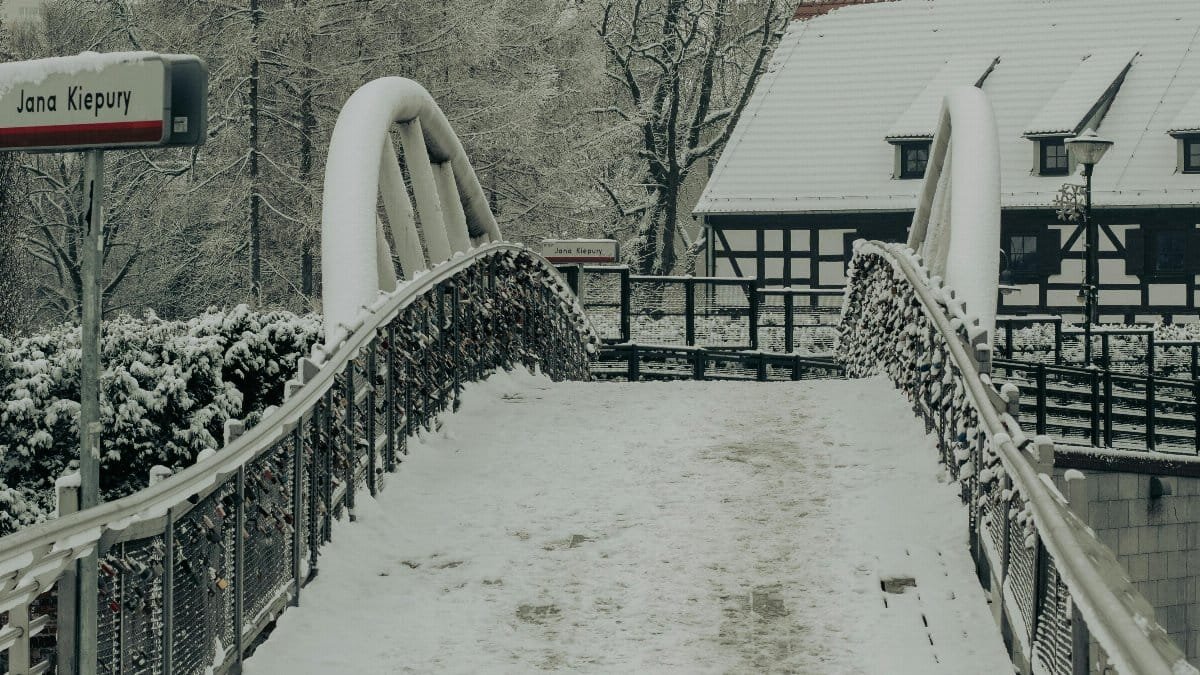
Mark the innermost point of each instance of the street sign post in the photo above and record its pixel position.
(581, 251)
(93, 102)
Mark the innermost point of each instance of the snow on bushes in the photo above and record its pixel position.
(167, 389)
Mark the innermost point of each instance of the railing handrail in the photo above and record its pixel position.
(82, 530)
(1098, 597)
(1082, 370)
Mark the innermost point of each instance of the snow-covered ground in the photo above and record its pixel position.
(653, 528)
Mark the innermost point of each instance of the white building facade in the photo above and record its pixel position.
(834, 143)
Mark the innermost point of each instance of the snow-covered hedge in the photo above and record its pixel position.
(168, 387)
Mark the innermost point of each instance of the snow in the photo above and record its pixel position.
(35, 71)
(922, 115)
(1081, 92)
(812, 138)
(653, 527)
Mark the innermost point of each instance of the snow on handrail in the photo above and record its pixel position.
(1116, 614)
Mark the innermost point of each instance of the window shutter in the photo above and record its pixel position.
(1135, 251)
(1049, 251)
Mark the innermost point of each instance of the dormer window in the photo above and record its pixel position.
(914, 157)
(1052, 154)
(1191, 154)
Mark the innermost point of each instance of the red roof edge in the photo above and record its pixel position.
(808, 9)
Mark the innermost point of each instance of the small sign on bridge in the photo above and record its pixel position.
(120, 100)
(568, 251)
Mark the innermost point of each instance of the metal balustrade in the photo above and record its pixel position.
(715, 312)
(1065, 603)
(634, 362)
(193, 569)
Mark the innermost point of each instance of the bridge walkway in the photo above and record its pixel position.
(685, 527)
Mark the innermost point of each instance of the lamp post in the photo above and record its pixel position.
(1087, 149)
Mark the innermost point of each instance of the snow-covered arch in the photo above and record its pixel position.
(956, 227)
(363, 167)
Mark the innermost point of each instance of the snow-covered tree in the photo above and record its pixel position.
(682, 72)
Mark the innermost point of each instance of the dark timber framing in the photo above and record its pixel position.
(751, 260)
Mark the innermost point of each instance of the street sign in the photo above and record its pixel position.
(93, 102)
(120, 100)
(565, 251)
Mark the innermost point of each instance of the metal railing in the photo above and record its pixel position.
(1135, 350)
(1105, 408)
(721, 312)
(634, 362)
(194, 568)
(1065, 601)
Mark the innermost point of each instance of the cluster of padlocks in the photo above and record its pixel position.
(236, 555)
(886, 328)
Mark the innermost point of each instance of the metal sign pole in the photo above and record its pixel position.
(89, 401)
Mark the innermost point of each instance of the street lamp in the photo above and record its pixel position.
(1087, 149)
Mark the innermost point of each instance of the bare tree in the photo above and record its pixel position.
(683, 72)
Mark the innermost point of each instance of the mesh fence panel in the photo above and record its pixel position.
(722, 313)
(1020, 572)
(601, 298)
(1052, 643)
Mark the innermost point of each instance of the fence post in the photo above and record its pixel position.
(239, 563)
(1196, 413)
(297, 505)
(1058, 342)
(789, 324)
(18, 653)
(1150, 354)
(457, 347)
(754, 300)
(1105, 356)
(348, 421)
(762, 368)
(1095, 407)
(371, 431)
(795, 368)
(1108, 409)
(168, 601)
(1040, 413)
(699, 359)
(1195, 355)
(1150, 412)
(689, 311)
(1008, 339)
(633, 363)
(389, 462)
(625, 292)
(67, 496)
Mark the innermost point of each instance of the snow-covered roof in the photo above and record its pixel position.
(922, 115)
(1081, 93)
(1188, 119)
(814, 136)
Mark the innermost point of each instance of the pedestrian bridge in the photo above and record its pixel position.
(722, 543)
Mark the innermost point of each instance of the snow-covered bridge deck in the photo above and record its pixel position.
(687, 527)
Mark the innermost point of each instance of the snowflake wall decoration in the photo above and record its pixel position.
(1069, 202)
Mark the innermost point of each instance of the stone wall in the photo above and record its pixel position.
(1156, 539)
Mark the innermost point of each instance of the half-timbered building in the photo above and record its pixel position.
(834, 143)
